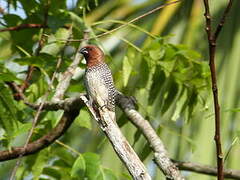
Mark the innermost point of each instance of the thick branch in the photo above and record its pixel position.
(75, 102)
(160, 154)
(106, 120)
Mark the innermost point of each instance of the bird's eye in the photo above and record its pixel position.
(84, 51)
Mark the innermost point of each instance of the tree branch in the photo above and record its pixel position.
(160, 154)
(44, 141)
(204, 169)
(23, 26)
(222, 21)
(212, 38)
(75, 103)
(66, 77)
(27, 26)
(107, 122)
(126, 24)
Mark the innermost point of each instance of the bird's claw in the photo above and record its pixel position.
(103, 123)
(104, 106)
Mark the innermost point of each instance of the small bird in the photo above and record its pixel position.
(98, 79)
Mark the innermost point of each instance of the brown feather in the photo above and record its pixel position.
(95, 55)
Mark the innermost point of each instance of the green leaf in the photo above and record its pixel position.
(170, 96)
(51, 172)
(109, 174)
(233, 110)
(78, 23)
(167, 66)
(157, 54)
(143, 73)
(5, 46)
(179, 106)
(158, 81)
(12, 19)
(23, 128)
(58, 5)
(126, 176)
(137, 136)
(93, 170)
(44, 61)
(127, 69)
(188, 53)
(58, 20)
(170, 52)
(146, 150)
(79, 167)
(8, 112)
(37, 89)
(66, 158)
(39, 164)
(84, 120)
(30, 7)
(54, 45)
(7, 76)
(190, 104)
(234, 142)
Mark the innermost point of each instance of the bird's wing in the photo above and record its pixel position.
(97, 90)
(108, 80)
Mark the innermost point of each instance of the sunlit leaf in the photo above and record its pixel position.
(79, 167)
(108, 174)
(127, 68)
(92, 166)
(84, 120)
(40, 163)
(179, 105)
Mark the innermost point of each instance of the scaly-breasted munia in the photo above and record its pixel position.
(98, 79)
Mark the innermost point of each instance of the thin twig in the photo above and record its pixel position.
(46, 94)
(2, 11)
(23, 26)
(67, 147)
(23, 87)
(212, 38)
(27, 26)
(16, 90)
(222, 21)
(31, 68)
(26, 82)
(126, 24)
(66, 77)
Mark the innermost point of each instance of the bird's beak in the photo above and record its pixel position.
(83, 51)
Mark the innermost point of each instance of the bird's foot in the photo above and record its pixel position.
(103, 124)
(102, 107)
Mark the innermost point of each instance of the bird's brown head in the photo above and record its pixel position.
(93, 55)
